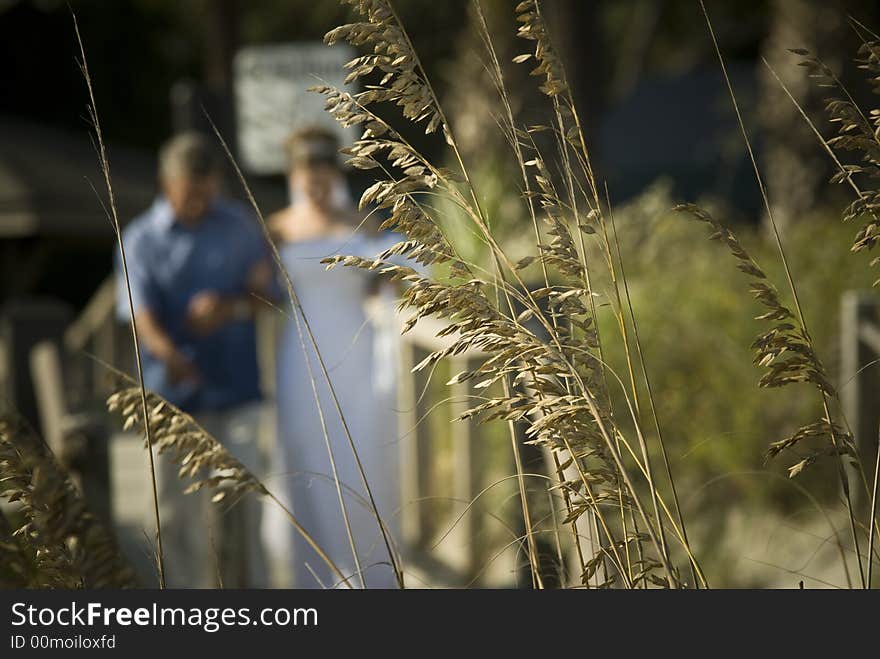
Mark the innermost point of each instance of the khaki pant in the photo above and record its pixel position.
(210, 545)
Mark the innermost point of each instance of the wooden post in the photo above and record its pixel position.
(414, 464)
(859, 377)
(104, 345)
(48, 380)
(466, 471)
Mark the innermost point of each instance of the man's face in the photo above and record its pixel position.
(190, 197)
(315, 182)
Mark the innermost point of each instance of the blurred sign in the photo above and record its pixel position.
(272, 100)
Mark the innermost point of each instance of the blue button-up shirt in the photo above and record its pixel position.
(168, 264)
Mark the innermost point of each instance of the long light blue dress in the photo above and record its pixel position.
(361, 359)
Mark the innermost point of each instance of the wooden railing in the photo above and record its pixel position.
(462, 547)
(447, 535)
(94, 340)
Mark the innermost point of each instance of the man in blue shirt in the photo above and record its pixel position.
(198, 267)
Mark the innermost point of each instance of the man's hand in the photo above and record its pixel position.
(207, 313)
(181, 369)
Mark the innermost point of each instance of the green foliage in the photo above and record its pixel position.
(697, 325)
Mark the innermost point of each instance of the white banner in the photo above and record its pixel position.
(272, 100)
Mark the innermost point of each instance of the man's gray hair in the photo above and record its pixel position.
(188, 155)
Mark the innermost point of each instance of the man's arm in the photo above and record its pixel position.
(155, 339)
(209, 311)
(144, 298)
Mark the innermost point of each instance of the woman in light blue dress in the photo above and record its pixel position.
(361, 359)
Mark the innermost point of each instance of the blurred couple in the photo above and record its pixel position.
(199, 271)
